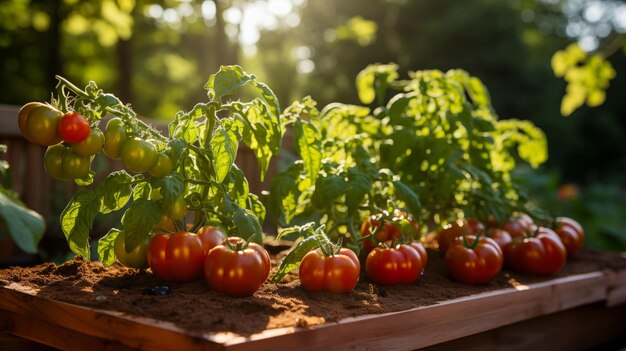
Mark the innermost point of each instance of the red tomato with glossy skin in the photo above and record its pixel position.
(177, 257)
(391, 266)
(137, 258)
(73, 128)
(91, 145)
(471, 262)
(236, 272)
(500, 236)
(422, 252)
(138, 155)
(474, 226)
(518, 225)
(338, 273)
(571, 234)
(41, 125)
(539, 253)
(446, 236)
(210, 237)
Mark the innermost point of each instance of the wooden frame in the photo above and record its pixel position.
(70, 326)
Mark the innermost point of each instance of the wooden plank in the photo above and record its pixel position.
(581, 328)
(616, 294)
(132, 332)
(11, 342)
(415, 328)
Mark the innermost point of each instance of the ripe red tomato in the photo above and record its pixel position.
(447, 235)
(500, 236)
(238, 272)
(538, 253)
(338, 273)
(473, 261)
(210, 237)
(571, 234)
(91, 145)
(40, 125)
(391, 266)
(176, 257)
(73, 128)
(388, 232)
(518, 225)
(422, 252)
(137, 258)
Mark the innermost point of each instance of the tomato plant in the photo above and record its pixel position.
(176, 257)
(334, 272)
(236, 268)
(540, 253)
(73, 128)
(187, 173)
(391, 228)
(137, 258)
(391, 266)
(474, 260)
(571, 234)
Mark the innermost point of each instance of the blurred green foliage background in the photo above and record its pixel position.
(157, 54)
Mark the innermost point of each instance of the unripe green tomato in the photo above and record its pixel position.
(22, 119)
(114, 137)
(74, 165)
(92, 145)
(162, 166)
(138, 155)
(178, 209)
(41, 125)
(137, 258)
(53, 162)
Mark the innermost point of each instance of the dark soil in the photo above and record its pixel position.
(194, 307)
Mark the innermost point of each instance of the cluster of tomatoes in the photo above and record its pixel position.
(72, 143)
(231, 266)
(475, 254)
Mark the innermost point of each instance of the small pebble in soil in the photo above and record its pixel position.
(101, 298)
(158, 290)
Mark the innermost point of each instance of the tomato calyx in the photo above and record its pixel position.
(472, 245)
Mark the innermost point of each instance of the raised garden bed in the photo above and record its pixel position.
(80, 304)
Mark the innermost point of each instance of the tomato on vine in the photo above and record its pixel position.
(162, 166)
(473, 260)
(236, 268)
(390, 266)
(40, 124)
(138, 155)
(388, 231)
(73, 128)
(114, 136)
(177, 257)
(337, 273)
(177, 209)
(539, 253)
(63, 163)
(137, 258)
(91, 145)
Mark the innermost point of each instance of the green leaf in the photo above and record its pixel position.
(77, 220)
(408, 196)
(309, 146)
(106, 247)
(224, 146)
(328, 189)
(25, 226)
(116, 190)
(294, 257)
(138, 220)
(227, 81)
(172, 187)
(358, 185)
(374, 80)
(248, 225)
(255, 204)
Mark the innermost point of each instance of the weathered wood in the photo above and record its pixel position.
(411, 329)
(616, 294)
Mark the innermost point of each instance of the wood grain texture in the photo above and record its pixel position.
(411, 329)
